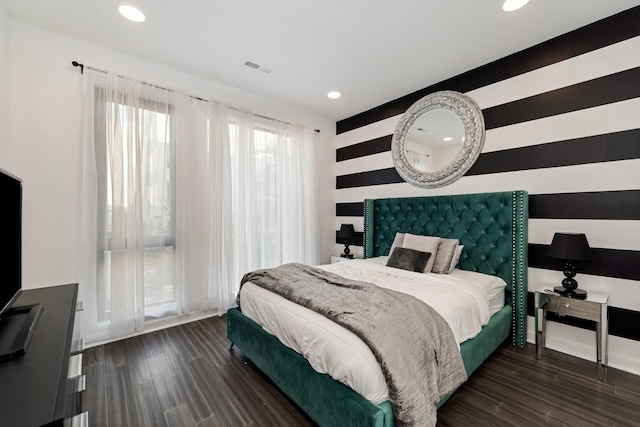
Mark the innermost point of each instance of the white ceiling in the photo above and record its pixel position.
(373, 51)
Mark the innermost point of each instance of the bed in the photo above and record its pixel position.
(493, 229)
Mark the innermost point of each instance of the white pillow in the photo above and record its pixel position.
(446, 252)
(424, 244)
(456, 258)
(397, 242)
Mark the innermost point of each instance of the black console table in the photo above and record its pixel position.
(37, 389)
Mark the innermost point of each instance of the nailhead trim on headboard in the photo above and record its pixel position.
(514, 239)
(521, 219)
(368, 230)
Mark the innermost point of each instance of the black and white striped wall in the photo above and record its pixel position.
(563, 123)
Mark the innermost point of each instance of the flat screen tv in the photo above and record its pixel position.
(17, 324)
(11, 220)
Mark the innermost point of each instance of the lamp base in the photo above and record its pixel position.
(571, 293)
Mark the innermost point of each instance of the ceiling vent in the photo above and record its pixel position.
(256, 66)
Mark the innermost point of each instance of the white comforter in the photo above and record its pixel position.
(461, 298)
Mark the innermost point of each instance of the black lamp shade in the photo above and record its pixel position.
(346, 232)
(570, 246)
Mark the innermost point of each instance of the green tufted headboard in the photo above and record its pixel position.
(491, 226)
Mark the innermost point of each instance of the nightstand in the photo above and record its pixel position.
(593, 308)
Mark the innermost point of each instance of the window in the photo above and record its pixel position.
(180, 198)
(267, 209)
(260, 156)
(136, 203)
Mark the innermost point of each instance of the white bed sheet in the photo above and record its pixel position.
(461, 298)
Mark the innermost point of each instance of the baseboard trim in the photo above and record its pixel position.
(159, 324)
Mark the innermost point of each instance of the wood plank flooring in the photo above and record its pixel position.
(186, 376)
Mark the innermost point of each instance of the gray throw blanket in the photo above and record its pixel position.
(412, 342)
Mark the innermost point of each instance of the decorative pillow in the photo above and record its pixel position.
(408, 259)
(446, 252)
(424, 244)
(397, 242)
(456, 258)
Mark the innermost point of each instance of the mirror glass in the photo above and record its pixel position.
(438, 139)
(434, 140)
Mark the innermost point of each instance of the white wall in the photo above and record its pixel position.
(4, 88)
(45, 119)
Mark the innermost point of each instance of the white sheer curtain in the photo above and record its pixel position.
(204, 226)
(127, 206)
(180, 198)
(274, 193)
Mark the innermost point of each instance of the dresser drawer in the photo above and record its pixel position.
(76, 384)
(574, 307)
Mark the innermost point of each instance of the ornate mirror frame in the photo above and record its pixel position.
(471, 116)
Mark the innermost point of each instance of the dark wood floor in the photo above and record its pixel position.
(186, 376)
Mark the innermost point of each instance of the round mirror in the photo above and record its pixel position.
(438, 139)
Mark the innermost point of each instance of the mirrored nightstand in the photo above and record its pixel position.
(593, 308)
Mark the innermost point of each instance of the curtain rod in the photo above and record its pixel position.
(82, 67)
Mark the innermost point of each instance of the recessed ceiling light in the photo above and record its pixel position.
(334, 94)
(131, 12)
(511, 5)
(448, 138)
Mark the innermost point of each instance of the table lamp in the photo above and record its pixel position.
(345, 234)
(570, 247)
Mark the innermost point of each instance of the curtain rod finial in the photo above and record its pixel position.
(77, 64)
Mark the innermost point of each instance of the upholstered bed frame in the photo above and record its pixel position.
(493, 229)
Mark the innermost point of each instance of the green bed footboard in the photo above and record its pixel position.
(325, 400)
